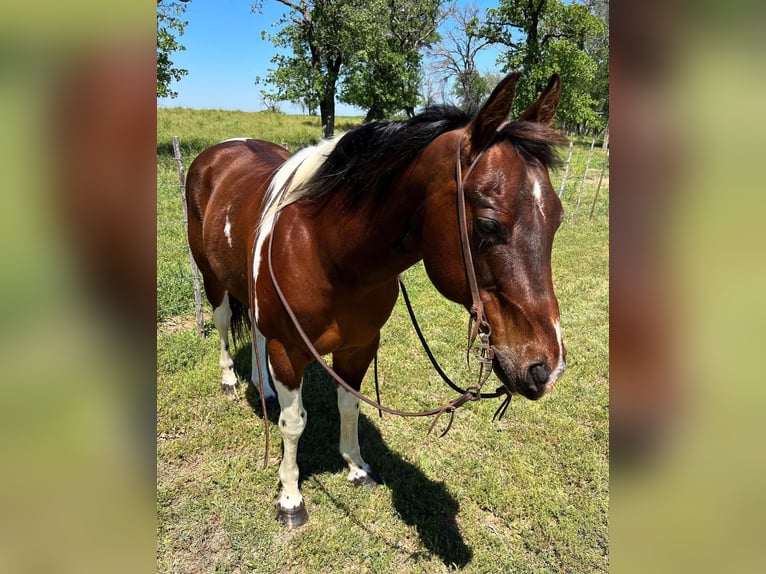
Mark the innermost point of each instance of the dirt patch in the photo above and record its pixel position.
(172, 435)
(210, 551)
(177, 324)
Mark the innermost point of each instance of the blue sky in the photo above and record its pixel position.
(224, 54)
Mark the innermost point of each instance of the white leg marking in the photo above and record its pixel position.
(292, 421)
(222, 320)
(348, 405)
(262, 355)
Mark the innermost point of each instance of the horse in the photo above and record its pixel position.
(325, 233)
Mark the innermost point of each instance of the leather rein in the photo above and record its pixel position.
(478, 328)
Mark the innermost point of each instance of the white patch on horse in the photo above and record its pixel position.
(298, 168)
(292, 421)
(537, 193)
(227, 227)
(222, 321)
(260, 357)
(235, 140)
(557, 372)
(348, 406)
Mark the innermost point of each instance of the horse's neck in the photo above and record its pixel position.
(383, 237)
(376, 242)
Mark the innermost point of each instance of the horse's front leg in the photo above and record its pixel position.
(351, 366)
(291, 510)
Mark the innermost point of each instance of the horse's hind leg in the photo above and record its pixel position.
(351, 366)
(222, 320)
(260, 368)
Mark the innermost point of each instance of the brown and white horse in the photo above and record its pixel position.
(341, 220)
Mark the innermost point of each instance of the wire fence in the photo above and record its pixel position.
(580, 180)
(167, 283)
(582, 184)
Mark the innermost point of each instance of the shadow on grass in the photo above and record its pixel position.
(419, 501)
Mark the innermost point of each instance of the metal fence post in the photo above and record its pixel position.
(194, 269)
(582, 183)
(566, 170)
(598, 188)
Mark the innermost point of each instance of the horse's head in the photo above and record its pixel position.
(512, 214)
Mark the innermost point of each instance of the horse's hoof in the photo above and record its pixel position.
(369, 480)
(292, 517)
(230, 391)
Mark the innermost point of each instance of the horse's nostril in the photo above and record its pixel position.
(539, 373)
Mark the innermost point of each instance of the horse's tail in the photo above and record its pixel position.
(240, 322)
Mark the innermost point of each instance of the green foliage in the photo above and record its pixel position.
(383, 76)
(170, 26)
(471, 89)
(317, 37)
(568, 38)
(365, 51)
(598, 47)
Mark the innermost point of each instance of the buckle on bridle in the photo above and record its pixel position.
(484, 353)
(479, 346)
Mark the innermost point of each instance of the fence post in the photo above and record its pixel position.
(194, 269)
(566, 170)
(582, 183)
(598, 188)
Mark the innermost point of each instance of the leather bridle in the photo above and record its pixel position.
(478, 327)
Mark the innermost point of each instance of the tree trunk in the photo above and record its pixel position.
(374, 114)
(327, 112)
(327, 105)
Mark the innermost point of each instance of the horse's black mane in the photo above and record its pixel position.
(371, 156)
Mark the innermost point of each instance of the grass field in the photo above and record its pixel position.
(526, 494)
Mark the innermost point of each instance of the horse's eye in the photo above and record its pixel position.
(487, 226)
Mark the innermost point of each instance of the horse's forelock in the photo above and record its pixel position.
(535, 141)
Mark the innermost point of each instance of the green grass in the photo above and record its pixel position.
(526, 494)
(198, 129)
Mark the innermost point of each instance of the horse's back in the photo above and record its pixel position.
(251, 158)
(225, 186)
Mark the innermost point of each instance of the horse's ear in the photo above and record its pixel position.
(494, 112)
(543, 110)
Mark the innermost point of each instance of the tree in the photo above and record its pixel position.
(384, 75)
(455, 58)
(598, 46)
(546, 36)
(169, 27)
(366, 51)
(320, 34)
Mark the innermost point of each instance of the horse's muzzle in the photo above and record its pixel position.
(534, 380)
